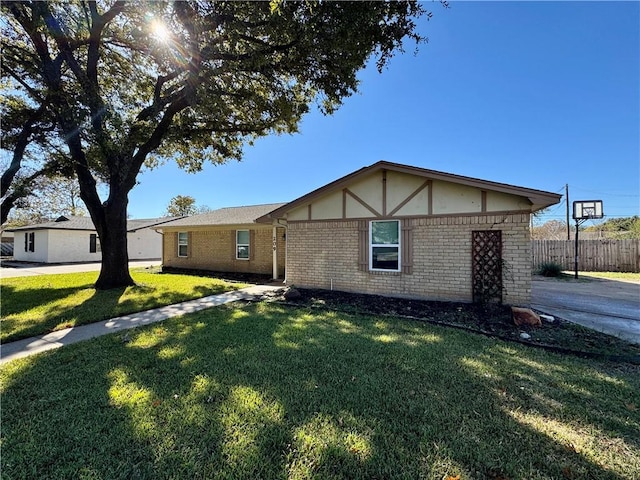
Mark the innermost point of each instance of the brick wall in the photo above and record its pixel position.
(215, 250)
(325, 254)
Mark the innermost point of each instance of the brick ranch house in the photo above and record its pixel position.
(386, 229)
(225, 240)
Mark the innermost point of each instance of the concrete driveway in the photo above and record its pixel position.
(608, 306)
(10, 269)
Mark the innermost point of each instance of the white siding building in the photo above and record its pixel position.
(74, 239)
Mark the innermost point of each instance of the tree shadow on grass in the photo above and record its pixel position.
(57, 308)
(152, 297)
(16, 300)
(63, 308)
(274, 392)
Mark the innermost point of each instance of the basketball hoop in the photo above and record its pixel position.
(587, 210)
(584, 210)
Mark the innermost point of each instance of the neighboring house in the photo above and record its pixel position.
(385, 229)
(74, 239)
(226, 240)
(6, 243)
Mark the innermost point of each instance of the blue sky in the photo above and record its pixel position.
(535, 94)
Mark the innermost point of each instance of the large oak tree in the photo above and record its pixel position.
(111, 85)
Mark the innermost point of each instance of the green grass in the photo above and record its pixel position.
(45, 303)
(272, 392)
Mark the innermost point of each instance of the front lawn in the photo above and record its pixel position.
(275, 392)
(44, 303)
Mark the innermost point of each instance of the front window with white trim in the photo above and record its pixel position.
(183, 244)
(242, 244)
(384, 245)
(29, 241)
(94, 243)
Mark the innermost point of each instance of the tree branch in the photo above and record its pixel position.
(18, 152)
(22, 191)
(35, 94)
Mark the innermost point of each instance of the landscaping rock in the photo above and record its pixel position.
(525, 336)
(525, 316)
(291, 293)
(547, 318)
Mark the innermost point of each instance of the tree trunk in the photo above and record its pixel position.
(109, 218)
(112, 231)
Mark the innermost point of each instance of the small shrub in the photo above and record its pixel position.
(549, 269)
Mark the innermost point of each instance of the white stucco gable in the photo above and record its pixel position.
(386, 190)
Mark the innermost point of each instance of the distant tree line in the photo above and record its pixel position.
(612, 228)
(184, 205)
(626, 227)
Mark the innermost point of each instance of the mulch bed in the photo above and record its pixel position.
(492, 319)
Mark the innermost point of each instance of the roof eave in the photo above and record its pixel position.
(155, 224)
(32, 229)
(208, 226)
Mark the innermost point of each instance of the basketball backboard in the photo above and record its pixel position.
(587, 209)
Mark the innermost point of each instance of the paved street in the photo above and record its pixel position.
(609, 306)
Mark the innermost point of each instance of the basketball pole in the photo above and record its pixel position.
(584, 210)
(566, 189)
(576, 250)
(579, 221)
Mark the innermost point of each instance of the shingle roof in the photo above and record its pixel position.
(85, 223)
(226, 216)
(62, 223)
(137, 224)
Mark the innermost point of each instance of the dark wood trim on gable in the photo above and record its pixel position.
(483, 207)
(344, 203)
(438, 215)
(363, 203)
(426, 184)
(384, 192)
(539, 198)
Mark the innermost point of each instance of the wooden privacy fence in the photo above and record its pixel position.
(593, 255)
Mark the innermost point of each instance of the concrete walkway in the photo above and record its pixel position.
(60, 338)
